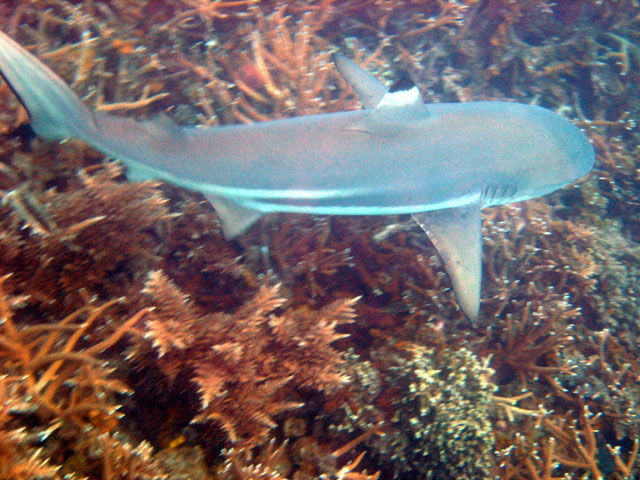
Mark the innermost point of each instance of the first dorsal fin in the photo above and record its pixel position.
(394, 110)
(369, 89)
(397, 113)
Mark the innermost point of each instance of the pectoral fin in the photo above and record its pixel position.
(457, 234)
(234, 217)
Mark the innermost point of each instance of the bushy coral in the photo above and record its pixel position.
(440, 422)
(246, 364)
(18, 459)
(93, 237)
(76, 236)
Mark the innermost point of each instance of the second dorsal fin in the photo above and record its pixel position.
(162, 125)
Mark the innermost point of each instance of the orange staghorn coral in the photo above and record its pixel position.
(246, 364)
(18, 459)
(560, 291)
(62, 379)
(58, 380)
(570, 447)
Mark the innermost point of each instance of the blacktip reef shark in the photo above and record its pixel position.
(441, 163)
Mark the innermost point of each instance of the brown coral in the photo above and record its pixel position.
(558, 271)
(67, 388)
(245, 364)
(18, 460)
(89, 239)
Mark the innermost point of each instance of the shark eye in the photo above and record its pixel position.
(499, 192)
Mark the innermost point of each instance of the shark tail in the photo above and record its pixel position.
(55, 111)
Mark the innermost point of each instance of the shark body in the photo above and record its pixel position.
(442, 163)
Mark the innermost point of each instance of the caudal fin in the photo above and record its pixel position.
(55, 111)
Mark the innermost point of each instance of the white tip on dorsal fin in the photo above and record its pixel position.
(401, 98)
(406, 105)
(396, 113)
(377, 96)
(404, 101)
(369, 89)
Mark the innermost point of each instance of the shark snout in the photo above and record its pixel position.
(571, 153)
(579, 153)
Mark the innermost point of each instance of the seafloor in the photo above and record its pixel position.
(135, 342)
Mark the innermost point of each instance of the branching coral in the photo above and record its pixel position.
(64, 380)
(557, 272)
(567, 447)
(531, 345)
(245, 364)
(69, 390)
(83, 238)
(18, 460)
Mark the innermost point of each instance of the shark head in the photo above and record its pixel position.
(562, 154)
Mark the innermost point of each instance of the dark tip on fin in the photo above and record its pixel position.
(402, 83)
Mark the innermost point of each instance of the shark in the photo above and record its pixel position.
(440, 162)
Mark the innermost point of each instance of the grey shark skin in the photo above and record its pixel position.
(442, 163)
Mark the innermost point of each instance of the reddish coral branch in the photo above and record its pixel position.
(245, 364)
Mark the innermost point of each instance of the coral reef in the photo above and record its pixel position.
(89, 239)
(437, 424)
(135, 342)
(18, 458)
(244, 363)
(64, 392)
